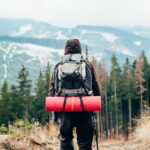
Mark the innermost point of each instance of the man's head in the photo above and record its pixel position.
(73, 46)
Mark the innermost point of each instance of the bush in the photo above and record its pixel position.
(20, 127)
(3, 130)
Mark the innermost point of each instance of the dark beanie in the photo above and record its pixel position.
(72, 46)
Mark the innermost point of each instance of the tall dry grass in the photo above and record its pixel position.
(141, 135)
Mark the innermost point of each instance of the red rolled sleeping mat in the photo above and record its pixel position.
(90, 103)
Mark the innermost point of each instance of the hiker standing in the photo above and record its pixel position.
(71, 84)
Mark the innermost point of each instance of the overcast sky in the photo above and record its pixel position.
(69, 13)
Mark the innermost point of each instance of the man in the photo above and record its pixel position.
(81, 120)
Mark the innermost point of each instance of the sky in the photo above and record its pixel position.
(69, 13)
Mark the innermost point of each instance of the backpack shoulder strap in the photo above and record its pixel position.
(72, 57)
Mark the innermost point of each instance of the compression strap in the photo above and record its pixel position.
(64, 103)
(81, 103)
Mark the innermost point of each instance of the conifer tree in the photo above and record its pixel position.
(139, 76)
(87, 53)
(127, 91)
(42, 90)
(103, 81)
(131, 95)
(47, 115)
(4, 105)
(16, 106)
(40, 98)
(114, 83)
(24, 92)
(146, 71)
(47, 78)
(97, 114)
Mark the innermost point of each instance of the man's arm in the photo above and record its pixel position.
(52, 93)
(52, 82)
(95, 85)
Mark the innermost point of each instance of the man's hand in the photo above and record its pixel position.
(56, 119)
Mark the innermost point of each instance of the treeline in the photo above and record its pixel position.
(125, 95)
(21, 101)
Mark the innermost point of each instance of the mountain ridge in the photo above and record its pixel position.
(23, 37)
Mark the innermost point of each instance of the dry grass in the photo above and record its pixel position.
(39, 138)
(139, 139)
(47, 138)
(141, 135)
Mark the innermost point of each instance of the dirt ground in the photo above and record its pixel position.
(48, 138)
(8, 142)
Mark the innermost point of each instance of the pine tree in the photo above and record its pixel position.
(146, 71)
(47, 78)
(114, 83)
(15, 105)
(87, 53)
(24, 92)
(127, 90)
(98, 116)
(47, 115)
(40, 98)
(139, 75)
(42, 90)
(4, 105)
(103, 81)
(131, 95)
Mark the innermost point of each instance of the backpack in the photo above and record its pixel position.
(73, 77)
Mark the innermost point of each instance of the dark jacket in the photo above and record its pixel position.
(73, 47)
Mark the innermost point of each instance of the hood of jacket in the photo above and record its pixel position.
(73, 46)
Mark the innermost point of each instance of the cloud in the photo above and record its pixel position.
(68, 13)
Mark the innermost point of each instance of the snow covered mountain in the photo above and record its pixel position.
(13, 55)
(32, 43)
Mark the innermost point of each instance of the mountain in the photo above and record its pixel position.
(138, 30)
(13, 55)
(33, 43)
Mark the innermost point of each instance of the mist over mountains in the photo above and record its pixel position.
(33, 43)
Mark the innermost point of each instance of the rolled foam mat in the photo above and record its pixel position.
(90, 103)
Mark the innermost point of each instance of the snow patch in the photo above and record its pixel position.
(36, 52)
(138, 43)
(137, 33)
(43, 54)
(88, 42)
(30, 60)
(99, 56)
(23, 29)
(42, 35)
(123, 50)
(85, 42)
(4, 57)
(60, 36)
(109, 37)
(83, 32)
(5, 71)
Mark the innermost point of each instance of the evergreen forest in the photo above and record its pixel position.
(125, 95)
